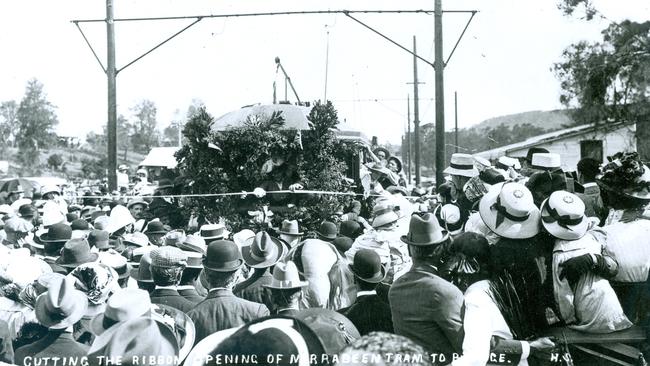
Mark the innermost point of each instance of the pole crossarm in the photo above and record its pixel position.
(390, 40)
(461, 36)
(91, 47)
(198, 19)
(241, 15)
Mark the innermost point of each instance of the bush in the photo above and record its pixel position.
(319, 158)
(55, 161)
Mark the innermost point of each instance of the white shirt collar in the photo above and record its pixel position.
(364, 293)
(185, 287)
(174, 287)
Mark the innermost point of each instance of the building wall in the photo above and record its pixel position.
(621, 139)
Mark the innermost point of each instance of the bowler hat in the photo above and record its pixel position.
(61, 306)
(98, 239)
(290, 228)
(350, 228)
(285, 276)
(327, 230)
(343, 243)
(27, 211)
(76, 252)
(156, 227)
(264, 251)
(57, 233)
(223, 256)
(367, 266)
(123, 305)
(79, 224)
(424, 231)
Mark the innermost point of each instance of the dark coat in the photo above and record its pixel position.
(6, 347)
(427, 309)
(55, 344)
(369, 313)
(255, 291)
(171, 298)
(223, 310)
(191, 294)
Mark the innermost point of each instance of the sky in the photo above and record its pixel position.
(501, 66)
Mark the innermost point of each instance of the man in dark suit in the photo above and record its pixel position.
(286, 289)
(369, 313)
(222, 309)
(58, 309)
(167, 265)
(425, 307)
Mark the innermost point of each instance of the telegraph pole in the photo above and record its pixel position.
(456, 120)
(111, 74)
(407, 157)
(439, 67)
(416, 115)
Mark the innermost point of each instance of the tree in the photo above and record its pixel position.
(607, 80)
(55, 161)
(123, 139)
(8, 123)
(144, 134)
(36, 121)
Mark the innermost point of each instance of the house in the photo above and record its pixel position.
(591, 140)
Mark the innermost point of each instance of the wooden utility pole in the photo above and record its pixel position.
(416, 114)
(439, 67)
(456, 120)
(408, 137)
(111, 74)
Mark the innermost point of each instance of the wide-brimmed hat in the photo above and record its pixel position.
(264, 251)
(142, 273)
(383, 214)
(626, 175)
(137, 201)
(424, 230)
(546, 161)
(50, 188)
(509, 211)
(126, 304)
(137, 239)
(116, 261)
(76, 252)
(242, 238)
(135, 339)
(290, 228)
(156, 227)
(61, 306)
(327, 230)
(180, 324)
(367, 266)
(193, 243)
(382, 149)
(285, 276)
(97, 281)
(212, 231)
(223, 256)
(461, 164)
(397, 162)
(174, 238)
(334, 330)
(563, 216)
(120, 217)
(57, 233)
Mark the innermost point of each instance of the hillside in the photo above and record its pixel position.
(548, 120)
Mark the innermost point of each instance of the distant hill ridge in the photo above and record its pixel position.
(548, 120)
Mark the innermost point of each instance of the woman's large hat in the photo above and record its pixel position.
(626, 175)
(285, 277)
(367, 266)
(397, 162)
(61, 306)
(509, 211)
(563, 216)
(461, 164)
(264, 251)
(424, 230)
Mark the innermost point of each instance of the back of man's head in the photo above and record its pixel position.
(588, 168)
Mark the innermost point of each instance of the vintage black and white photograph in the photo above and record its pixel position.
(368, 182)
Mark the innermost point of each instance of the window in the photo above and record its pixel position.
(591, 149)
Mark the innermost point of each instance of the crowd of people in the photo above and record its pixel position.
(476, 271)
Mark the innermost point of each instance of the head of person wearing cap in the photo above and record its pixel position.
(137, 207)
(290, 232)
(156, 232)
(327, 231)
(167, 265)
(285, 288)
(222, 309)
(58, 309)
(369, 312)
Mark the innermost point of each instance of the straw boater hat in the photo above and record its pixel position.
(212, 231)
(563, 216)
(461, 164)
(264, 251)
(285, 277)
(61, 306)
(424, 231)
(509, 211)
(367, 266)
(383, 214)
(290, 228)
(546, 161)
